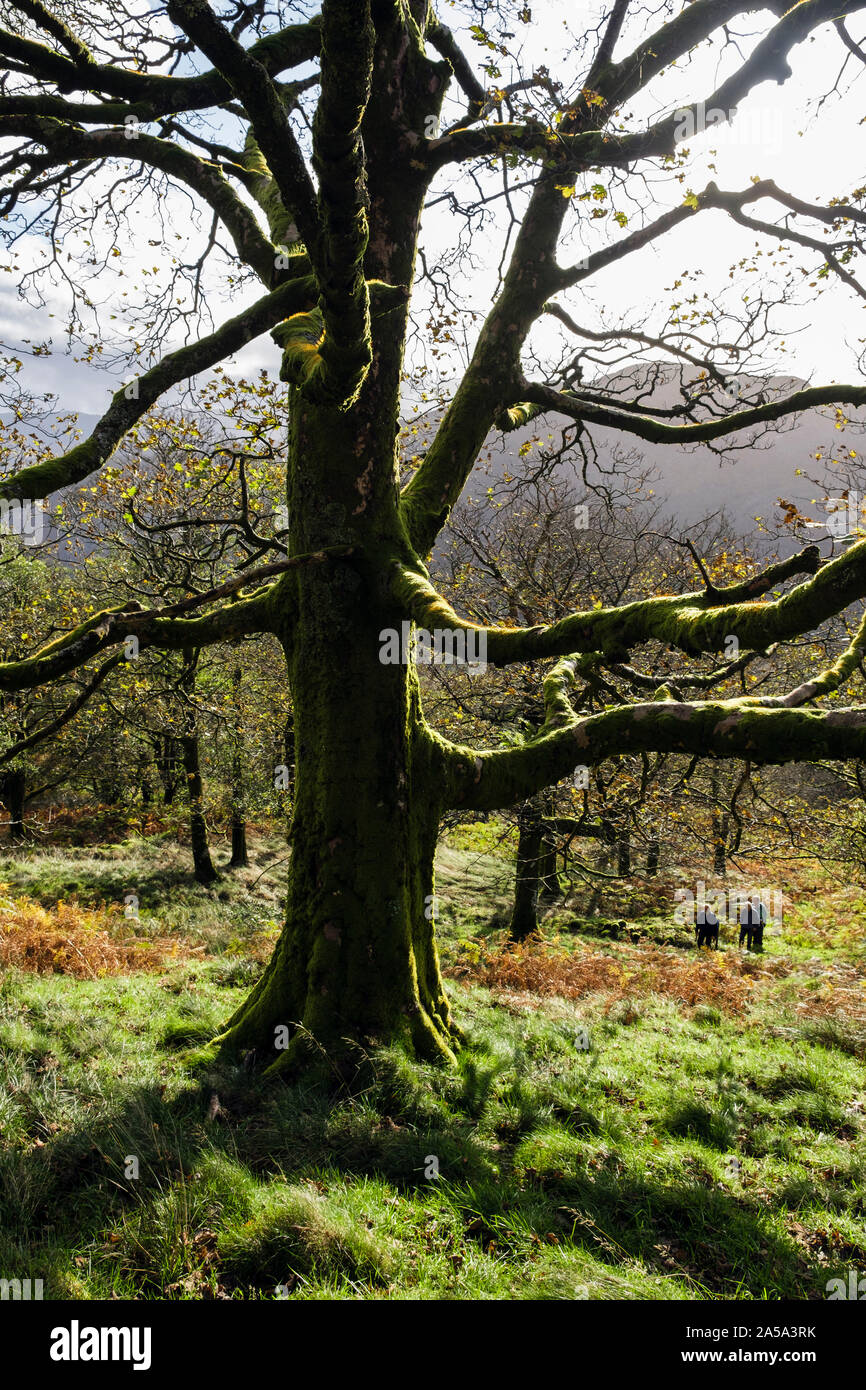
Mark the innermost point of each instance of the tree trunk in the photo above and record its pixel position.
(720, 844)
(240, 856)
(623, 853)
(720, 823)
(166, 766)
(524, 915)
(549, 883)
(13, 794)
(608, 842)
(357, 963)
(289, 752)
(357, 959)
(203, 867)
(110, 791)
(653, 854)
(146, 788)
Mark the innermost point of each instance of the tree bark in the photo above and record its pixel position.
(166, 766)
(549, 884)
(203, 867)
(240, 852)
(146, 788)
(720, 844)
(357, 959)
(357, 964)
(623, 852)
(524, 915)
(240, 855)
(653, 854)
(720, 825)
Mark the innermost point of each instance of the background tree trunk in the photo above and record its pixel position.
(167, 761)
(549, 884)
(524, 914)
(719, 785)
(13, 794)
(240, 856)
(720, 843)
(623, 852)
(203, 866)
(653, 854)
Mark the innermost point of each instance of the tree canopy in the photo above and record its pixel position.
(312, 147)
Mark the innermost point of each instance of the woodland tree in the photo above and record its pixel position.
(312, 143)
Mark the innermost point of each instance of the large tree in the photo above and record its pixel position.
(100, 104)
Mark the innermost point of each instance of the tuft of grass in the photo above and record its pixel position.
(297, 1231)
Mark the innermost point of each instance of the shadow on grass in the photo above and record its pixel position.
(213, 1192)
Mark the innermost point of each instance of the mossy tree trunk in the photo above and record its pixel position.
(357, 963)
(357, 959)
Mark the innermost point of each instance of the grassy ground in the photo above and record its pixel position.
(631, 1118)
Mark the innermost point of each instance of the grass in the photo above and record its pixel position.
(629, 1120)
(152, 874)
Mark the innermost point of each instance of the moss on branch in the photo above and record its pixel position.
(693, 622)
(130, 403)
(483, 781)
(151, 629)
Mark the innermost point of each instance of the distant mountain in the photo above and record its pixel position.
(693, 481)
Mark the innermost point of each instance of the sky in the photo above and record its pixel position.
(774, 134)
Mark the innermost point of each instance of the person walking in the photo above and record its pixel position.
(758, 933)
(753, 918)
(707, 926)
